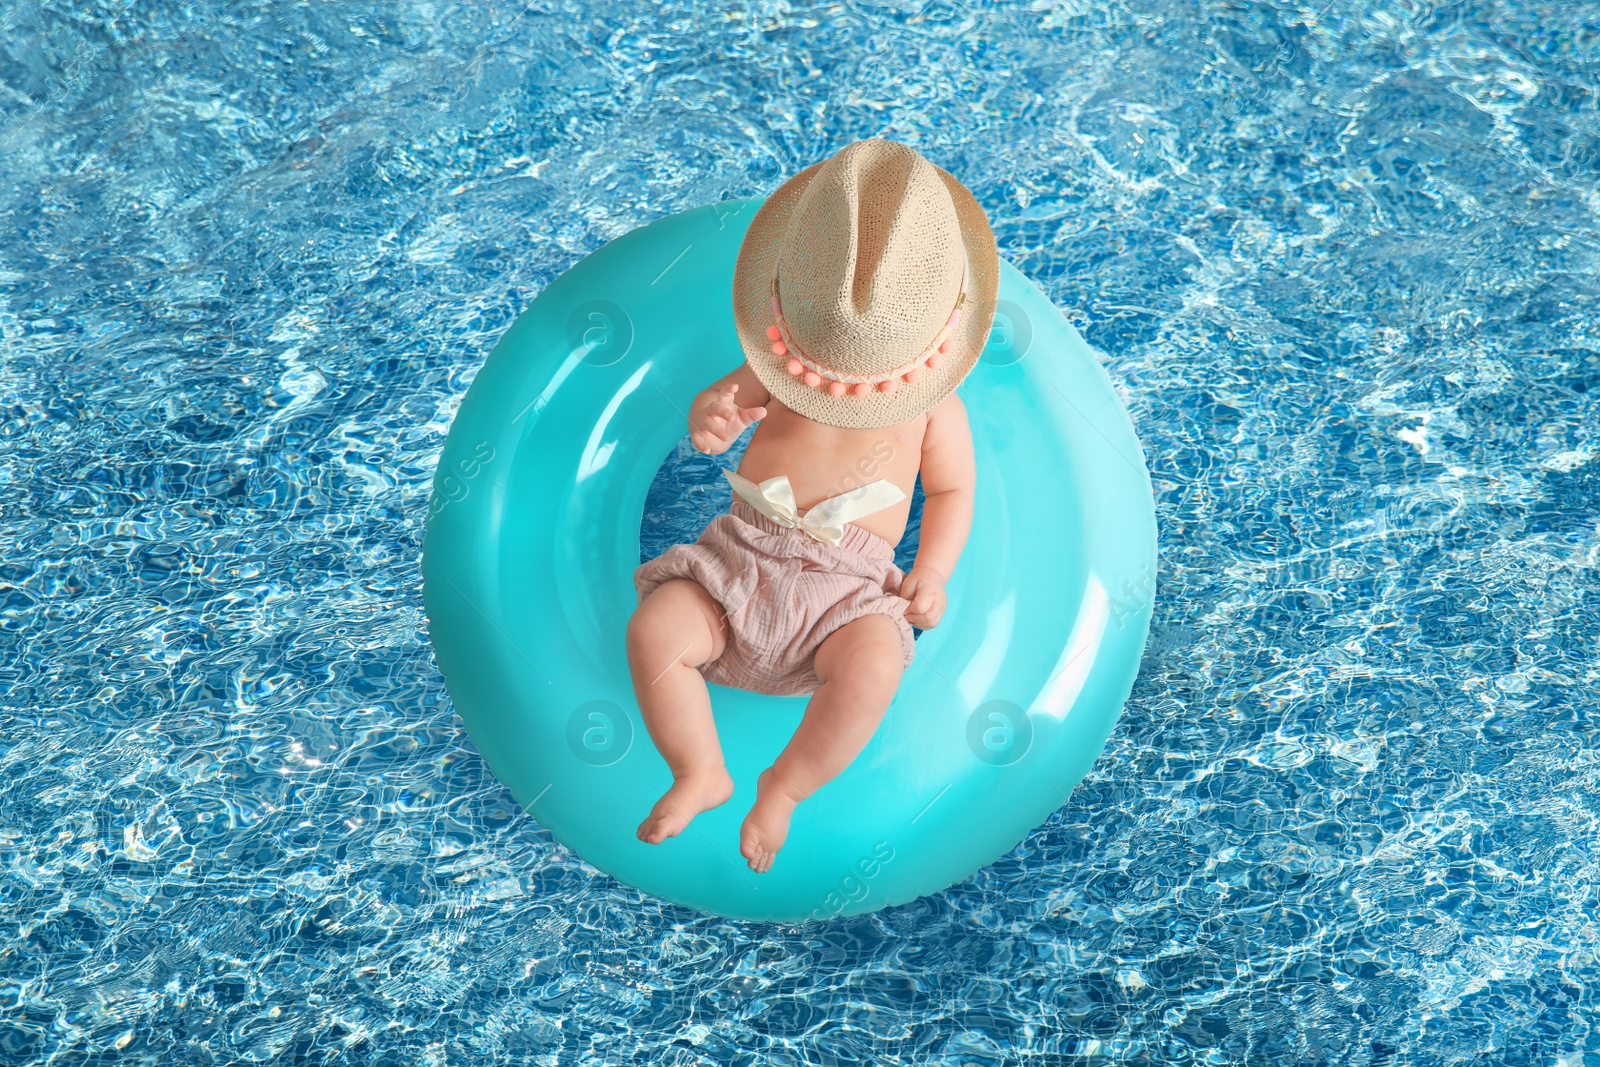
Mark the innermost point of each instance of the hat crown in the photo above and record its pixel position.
(872, 260)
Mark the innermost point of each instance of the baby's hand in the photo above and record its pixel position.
(715, 424)
(925, 589)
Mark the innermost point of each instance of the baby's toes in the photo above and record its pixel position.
(754, 850)
(750, 844)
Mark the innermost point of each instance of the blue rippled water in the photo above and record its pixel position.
(1339, 258)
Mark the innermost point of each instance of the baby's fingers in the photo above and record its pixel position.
(929, 604)
(742, 417)
(925, 617)
(706, 441)
(715, 418)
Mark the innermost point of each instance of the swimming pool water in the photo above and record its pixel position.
(1339, 258)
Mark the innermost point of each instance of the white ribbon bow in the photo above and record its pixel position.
(824, 521)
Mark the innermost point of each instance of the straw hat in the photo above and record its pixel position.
(866, 286)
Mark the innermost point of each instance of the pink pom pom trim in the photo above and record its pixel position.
(815, 375)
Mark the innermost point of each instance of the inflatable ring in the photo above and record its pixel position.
(533, 537)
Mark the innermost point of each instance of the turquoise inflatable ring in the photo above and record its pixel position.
(533, 537)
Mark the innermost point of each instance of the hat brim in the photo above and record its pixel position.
(752, 314)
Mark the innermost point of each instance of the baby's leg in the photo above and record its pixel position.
(860, 666)
(678, 627)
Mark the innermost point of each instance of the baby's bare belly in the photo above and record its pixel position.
(824, 461)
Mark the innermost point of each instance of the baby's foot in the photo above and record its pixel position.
(688, 797)
(767, 826)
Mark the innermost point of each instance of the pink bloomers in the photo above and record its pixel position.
(784, 592)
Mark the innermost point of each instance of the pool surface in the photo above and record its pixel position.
(1340, 259)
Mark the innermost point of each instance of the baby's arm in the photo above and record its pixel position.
(949, 475)
(721, 411)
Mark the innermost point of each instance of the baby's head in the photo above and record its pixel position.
(866, 286)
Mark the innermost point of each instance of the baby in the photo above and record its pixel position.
(863, 295)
